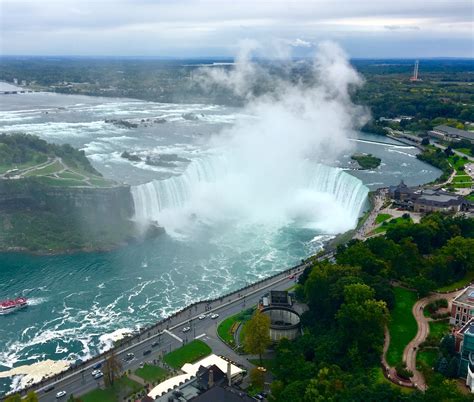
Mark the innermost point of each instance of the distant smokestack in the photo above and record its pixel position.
(229, 377)
(211, 378)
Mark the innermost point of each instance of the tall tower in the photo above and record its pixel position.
(415, 72)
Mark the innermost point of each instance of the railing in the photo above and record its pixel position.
(147, 331)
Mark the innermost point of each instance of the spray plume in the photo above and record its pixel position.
(270, 168)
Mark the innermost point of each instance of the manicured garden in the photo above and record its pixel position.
(188, 353)
(151, 373)
(382, 218)
(122, 388)
(229, 326)
(438, 329)
(403, 325)
(391, 223)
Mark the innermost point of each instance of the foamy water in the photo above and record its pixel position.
(81, 303)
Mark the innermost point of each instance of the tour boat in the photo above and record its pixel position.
(9, 306)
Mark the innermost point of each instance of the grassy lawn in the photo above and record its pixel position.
(425, 360)
(60, 182)
(382, 217)
(53, 168)
(427, 356)
(100, 182)
(465, 151)
(438, 329)
(389, 224)
(151, 373)
(462, 178)
(189, 353)
(403, 325)
(457, 162)
(123, 387)
(21, 166)
(470, 197)
(225, 327)
(459, 284)
(68, 174)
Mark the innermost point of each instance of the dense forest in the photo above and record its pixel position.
(445, 91)
(350, 301)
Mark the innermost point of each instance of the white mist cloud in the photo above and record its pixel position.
(268, 170)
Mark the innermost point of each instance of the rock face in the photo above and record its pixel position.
(45, 219)
(33, 195)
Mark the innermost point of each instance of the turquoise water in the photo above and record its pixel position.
(78, 299)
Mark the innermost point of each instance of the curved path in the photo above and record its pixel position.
(409, 354)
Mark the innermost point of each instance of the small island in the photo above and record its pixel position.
(52, 200)
(366, 161)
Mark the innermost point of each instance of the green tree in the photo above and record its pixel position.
(361, 320)
(257, 334)
(112, 368)
(257, 378)
(31, 397)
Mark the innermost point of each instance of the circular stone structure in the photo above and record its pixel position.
(284, 322)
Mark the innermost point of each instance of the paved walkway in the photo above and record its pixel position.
(409, 354)
(369, 224)
(410, 351)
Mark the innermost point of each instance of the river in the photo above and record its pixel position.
(78, 300)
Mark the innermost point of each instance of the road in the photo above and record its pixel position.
(169, 334)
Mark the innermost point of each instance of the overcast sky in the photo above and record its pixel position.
(188, 28)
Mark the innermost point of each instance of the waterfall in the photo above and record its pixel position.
(336, 191)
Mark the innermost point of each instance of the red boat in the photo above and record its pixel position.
(9, 306)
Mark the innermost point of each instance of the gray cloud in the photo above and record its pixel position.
(400, 27)
(214, 27)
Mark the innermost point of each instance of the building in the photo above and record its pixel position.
(462, 308)
(466, 350)
(284, 319)
(197, 378)
(447, 133)
(221, 393)
(427, 200)
(437, 200)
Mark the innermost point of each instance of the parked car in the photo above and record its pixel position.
(186, 329)
(146, 352)
(214, 316)
(60, 394)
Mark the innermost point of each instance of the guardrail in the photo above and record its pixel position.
(136, 339)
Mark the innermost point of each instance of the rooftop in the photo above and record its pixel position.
(466, 297)
(467, 328)
(455, 132)
(223, 394)
(190, 371)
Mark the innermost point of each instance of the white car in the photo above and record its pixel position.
(60, 394)
(97, 374)
(202, 317)
(186, 329)
(214, 316)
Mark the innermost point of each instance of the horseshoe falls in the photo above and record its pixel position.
(212, 190)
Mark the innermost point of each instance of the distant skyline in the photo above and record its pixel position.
(214, 28)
